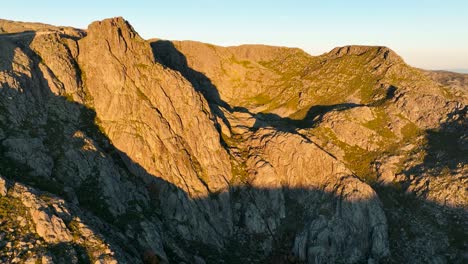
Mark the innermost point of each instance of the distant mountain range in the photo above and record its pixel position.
(458, 70)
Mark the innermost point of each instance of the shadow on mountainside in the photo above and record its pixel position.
(313, 117)
(396, 202)
(8, 42)
(167, 54)
(445, 148)
(44, 122)
(240, 245)
(422, 231)
(30, 115)
(417, 222)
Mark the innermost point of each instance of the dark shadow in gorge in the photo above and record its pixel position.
(241, 246)
(313, 117)
(167, 55)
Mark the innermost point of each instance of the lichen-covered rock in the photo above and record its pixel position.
(50, 230)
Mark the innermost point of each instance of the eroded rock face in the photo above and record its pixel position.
(157, 108)
(162, 127)
(334, 203)
(50, 230)
(162, 152)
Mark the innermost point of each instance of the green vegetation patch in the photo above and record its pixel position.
(360, 161)
(410, 131)
(380, 124)
(239, 172)
(10, 209)
(261, 99)
(17, 229)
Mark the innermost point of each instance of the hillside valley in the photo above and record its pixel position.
(117, 149)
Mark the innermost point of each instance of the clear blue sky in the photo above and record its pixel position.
(427, 33)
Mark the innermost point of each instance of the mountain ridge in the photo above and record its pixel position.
(32, 25)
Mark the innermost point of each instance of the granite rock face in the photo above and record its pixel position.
(115, 149)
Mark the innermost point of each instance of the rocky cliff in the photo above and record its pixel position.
(116, 149)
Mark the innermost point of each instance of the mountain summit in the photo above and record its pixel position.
(116, 149)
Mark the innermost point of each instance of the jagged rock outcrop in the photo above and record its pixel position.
(157, 108)
(48, 229)
(159, 122)
(118, 149)
(312, 176)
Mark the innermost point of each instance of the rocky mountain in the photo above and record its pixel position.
(116, 149)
